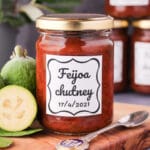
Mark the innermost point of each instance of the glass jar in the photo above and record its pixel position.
(120, 38)
(128, 8)
(140, 57)
(74, 72)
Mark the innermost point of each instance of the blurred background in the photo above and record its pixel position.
(17, 26)
(17, 20)
(28, 34)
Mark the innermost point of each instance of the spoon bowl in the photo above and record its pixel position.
(131, 120)
(134, 119)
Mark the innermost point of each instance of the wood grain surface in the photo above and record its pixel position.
(117, 139)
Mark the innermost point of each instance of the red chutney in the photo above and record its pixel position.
(140, 57)
(120, 38)
(128, 8)
(74, 73)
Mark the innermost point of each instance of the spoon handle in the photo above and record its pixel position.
(92, 135)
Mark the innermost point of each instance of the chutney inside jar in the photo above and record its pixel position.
(128, 8)
(74, 72)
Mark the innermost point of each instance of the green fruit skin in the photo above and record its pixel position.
(20, 71)
(2, 84)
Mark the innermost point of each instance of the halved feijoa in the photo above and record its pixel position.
(18, 108)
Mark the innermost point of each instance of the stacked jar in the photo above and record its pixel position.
(128, 8)
(140, 56)
(120, 38)
(136, 13)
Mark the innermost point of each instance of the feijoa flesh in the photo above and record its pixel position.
(18, 108)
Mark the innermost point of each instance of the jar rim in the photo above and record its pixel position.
(74, 22)
(143, 24)
(120, 24)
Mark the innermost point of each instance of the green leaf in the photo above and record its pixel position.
(5, 142)
(8, 13)
(18, 133)
(58, 6)
(14, 20)
(10, 10)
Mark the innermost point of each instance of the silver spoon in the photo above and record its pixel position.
(129, 121)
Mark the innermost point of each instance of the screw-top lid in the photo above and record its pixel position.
(121, 24)
(74, 22)
(143, 24)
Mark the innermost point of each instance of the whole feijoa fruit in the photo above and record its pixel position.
(20, 70)
(18, 108)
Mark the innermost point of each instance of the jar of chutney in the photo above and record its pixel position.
(140, 57)
(74, 72)
(119, 36)
(128, 8)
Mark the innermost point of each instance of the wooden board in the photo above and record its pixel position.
(116, 139)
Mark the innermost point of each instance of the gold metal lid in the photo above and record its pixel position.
(143, 24)
(121, 24)
(74, 22)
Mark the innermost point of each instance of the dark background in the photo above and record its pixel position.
(28, 35)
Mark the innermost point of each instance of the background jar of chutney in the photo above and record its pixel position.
(140, 57)
(128, 8)
(119, 36)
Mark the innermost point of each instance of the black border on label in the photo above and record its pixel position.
(48, 85)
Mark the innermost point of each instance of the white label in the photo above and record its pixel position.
(129, 2)
(74, 85)
(142, 63)
(118, 61)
